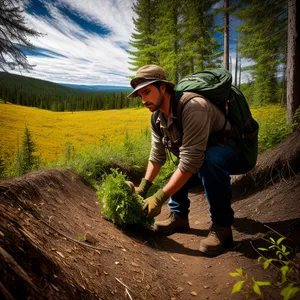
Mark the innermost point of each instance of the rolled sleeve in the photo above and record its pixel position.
(158, 152)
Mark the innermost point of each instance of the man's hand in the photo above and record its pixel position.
(142, 189)
(131, 185)
(154, 203)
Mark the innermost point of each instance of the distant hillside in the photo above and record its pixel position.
(96, 87)
(44, 94)
(8, 78)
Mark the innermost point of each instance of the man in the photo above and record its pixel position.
(201, 120)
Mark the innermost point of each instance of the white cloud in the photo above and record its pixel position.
(116, 15)
(83, 57)
(246, 76)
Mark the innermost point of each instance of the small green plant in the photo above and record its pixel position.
(289, 283)
(69, 152)
(119, 203)
(80, 238)
(251, 285)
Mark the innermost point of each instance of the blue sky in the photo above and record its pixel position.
(84, 41)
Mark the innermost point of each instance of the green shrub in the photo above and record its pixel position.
(119, 204)
(288, 284)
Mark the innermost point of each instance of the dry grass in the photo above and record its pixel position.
(52, 131)
(280, 164)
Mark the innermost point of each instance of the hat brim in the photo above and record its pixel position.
(144, 83)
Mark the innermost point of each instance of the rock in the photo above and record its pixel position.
(90, 238)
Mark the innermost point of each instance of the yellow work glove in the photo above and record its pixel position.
(142, 189)
(154, 203)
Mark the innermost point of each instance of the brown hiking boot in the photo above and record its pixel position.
(174, 223)
(217, 239)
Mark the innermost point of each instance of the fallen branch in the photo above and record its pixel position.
(126, 288)
(276, 231)
(7, 295)
(18, 271)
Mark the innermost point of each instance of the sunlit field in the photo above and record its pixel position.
(53, 131)
(270, 111)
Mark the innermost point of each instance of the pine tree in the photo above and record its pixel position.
(169, 37)
(142, 40)
(27, 160)
(199, 49)
(263, 39)
(293, 90)
(226, 35)
(177, 35)
(13, 35)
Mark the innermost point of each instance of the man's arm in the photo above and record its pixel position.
(146, 182)
(154, 203)
(152, 170)
(177, 181)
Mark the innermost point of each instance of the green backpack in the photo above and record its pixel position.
(215, 85)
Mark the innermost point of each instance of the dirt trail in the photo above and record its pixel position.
(44, 218)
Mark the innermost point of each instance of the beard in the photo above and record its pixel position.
(154, 107)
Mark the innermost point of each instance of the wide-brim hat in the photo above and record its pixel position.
(147, 75)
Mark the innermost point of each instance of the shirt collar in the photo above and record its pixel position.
(163, 122)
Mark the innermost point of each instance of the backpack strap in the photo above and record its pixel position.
(179, 100)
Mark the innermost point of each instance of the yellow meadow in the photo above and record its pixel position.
(266, 112)
(52, 131)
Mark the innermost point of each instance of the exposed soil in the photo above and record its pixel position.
(44, 218)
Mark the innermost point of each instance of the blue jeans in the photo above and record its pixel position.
(215, 177)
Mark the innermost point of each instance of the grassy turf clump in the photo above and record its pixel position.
(119, 204)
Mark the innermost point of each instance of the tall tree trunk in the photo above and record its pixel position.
(293, 61)
(240, 71)
(236, 62)
(226, 35)
(283, 97)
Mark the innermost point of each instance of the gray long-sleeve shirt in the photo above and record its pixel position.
(200, 118)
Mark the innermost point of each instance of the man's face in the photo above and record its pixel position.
(151, 96)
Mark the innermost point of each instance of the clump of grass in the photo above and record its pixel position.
(119, 203)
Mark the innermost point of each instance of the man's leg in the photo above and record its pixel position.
(179, 205)
(215, 175)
